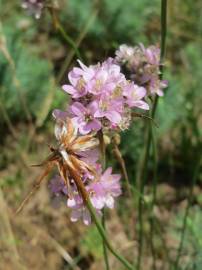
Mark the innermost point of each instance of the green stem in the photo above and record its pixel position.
(86, 199)
(152, 218)
(60, 28)
(143, 169)
(163, 28)
(103, 159)
(163, 47)
(142, 186)
(106, 259)
(68, 39)
(78, 41)
(104, 237)
(194, 178)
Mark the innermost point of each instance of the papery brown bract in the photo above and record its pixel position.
(66, 158)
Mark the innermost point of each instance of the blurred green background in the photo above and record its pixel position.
(34, 62)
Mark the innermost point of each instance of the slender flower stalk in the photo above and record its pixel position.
(105, 253)
(141, 179)
(103, 159)
(153, 141)
(68, 39)
(78, 42)
(155, 179)
(163, 46)
(146, 151)
(60, 29)
(104, 237)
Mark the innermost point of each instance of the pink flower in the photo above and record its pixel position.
(142, 66)
(84, 117)
(106, 78)
(124, 53)
(102, 192)
(91, 157)
(156, 86)
(109, 108)
(105, 190)
(34, 7)
(78, 78)
(79, 211)
(57, 185)
(152, 54)
(134, 95)
(58, 114)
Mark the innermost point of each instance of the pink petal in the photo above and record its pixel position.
(84, 67)
(99, 114)
(107, 173)
(160, 92)
(97, 202)
(140, 92)
(69, 89)
(109, 200)
(141, 104)
(93, 107)
(58, 114)
(71, 203)
(102, 75)
(78, 109)
(86, 217)
(93, 125)
(113, 116)
(75, 215)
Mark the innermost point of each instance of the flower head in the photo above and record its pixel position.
(105, 190)
(124, 54)
(143, 66)
(102, 192)
(134, 95)
(34, 7)
(101, 95)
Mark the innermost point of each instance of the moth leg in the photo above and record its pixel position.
(51, 158)
(35, 187)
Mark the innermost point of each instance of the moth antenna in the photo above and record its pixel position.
(134, 114)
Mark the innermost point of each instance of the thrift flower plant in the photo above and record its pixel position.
(103, 100)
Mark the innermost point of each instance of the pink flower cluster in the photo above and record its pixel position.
(34, 7)
(102, 192)
(143, 66)
(102, 97)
